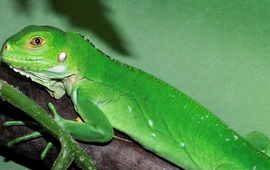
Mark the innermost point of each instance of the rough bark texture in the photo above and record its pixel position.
(116, 154)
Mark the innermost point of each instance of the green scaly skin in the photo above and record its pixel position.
(109, 94)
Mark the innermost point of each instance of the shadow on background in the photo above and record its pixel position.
(87, 14)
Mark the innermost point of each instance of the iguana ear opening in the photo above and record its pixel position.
(6, 47)
(62, 56)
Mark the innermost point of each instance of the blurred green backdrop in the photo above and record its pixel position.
(215, 51)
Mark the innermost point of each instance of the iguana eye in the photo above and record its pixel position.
(37, 41)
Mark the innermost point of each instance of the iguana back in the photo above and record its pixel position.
(166, 121)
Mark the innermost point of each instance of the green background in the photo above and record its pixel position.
(215, 51)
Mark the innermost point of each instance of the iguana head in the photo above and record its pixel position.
(42, 53)
(38, 51)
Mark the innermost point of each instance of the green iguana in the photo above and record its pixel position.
(109, 94)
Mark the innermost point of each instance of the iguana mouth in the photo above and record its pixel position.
(33, 76)
(20, 71)
(19, 65)
(17, 60)
(30, 68)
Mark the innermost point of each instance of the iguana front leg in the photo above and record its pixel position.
(95, 126)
